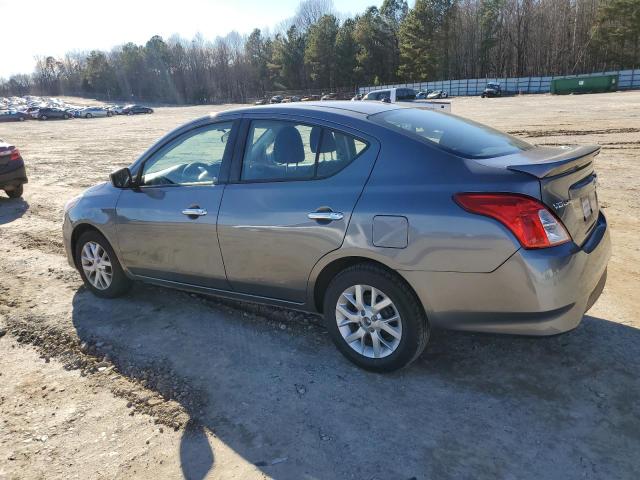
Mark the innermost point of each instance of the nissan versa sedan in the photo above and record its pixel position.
(387, 220)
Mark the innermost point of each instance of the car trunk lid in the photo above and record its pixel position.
(567, 183)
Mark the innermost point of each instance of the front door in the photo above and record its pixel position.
(290, 204)
(167, 226)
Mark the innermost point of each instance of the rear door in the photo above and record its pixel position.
(294, 187)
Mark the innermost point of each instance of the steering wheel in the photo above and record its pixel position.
(192, 172)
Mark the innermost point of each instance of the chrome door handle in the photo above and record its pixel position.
(194, 212)
(328, 216)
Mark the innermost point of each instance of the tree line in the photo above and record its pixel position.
(321, 50)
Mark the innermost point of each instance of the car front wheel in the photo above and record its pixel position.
(99, 267)
(16, 192)
(374, 318)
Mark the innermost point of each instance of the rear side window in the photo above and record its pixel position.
(336, 151)
(280, 150)
(456, 135)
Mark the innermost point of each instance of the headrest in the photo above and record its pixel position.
(328, 142)
(288, 147)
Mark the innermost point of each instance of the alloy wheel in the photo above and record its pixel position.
(368, 321)
(96, 265)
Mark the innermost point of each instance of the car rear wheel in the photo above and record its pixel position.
(99, 267)
(16, 192)
(43, 117)
(88, 115)
(374, 318)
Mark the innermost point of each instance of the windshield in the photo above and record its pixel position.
(457, 135)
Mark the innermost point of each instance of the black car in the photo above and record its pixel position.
(12, 172)
(135, 109)
(53, 112)
(13, 116)
(492, 90)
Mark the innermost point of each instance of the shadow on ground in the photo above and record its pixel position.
(473, 406)
(12, 209)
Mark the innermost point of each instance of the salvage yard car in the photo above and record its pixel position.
(387, 220)
(136, 109)
(12, 171)
(13, 116)
(54, 112)
(91, 112)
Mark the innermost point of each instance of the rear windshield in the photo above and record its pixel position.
(456, 135)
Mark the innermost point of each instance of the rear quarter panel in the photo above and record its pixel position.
(417, 181)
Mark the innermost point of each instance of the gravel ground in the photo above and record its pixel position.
(163, 384)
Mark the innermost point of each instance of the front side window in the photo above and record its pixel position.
(195, 158)
(280, 150)
(457, 135)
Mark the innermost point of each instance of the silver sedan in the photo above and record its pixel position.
(386, 220)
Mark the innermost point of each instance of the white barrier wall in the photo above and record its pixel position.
(629, 80)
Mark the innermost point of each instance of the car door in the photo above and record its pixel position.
(166, 227)
(293, 188)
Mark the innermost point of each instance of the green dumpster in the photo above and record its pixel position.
(603, 83)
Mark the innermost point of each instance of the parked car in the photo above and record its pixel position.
(136, 109)
(13, 116)
(12, 172)
(115, 109)
(492, 90)
(33, 112)
(310, 98)
(386, 220)
(54, 112)
(423, 94)
(276, 99)
(356, 97)
(406, 97)
(90, 112)
(329, 96)
(261, 101)
(437, 94)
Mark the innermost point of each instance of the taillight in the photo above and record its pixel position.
(529, 220)
(15, 154)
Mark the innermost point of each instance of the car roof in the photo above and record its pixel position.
(347, 107)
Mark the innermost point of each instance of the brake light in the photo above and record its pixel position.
(15, 154)
(529, 220)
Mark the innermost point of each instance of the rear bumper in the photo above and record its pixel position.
(14, 177)
(535, 292)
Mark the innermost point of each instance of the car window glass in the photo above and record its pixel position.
(194, 159)
(454, 134)
(337, 151)
(278, 150)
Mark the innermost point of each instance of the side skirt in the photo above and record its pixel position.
(302, 307)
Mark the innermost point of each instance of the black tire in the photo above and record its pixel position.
(109, 114)
(16, 192)
(120, 283)
(65, 116)
(415, 326)
(43, 117)
(88, 115)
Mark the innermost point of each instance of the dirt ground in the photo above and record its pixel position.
(163, 384)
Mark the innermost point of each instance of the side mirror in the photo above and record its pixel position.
(121, 178)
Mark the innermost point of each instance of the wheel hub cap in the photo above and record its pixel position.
(96, 265)
(368, 321)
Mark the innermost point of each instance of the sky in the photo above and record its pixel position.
(31, 28)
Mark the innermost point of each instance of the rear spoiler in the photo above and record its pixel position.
(564, 162)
